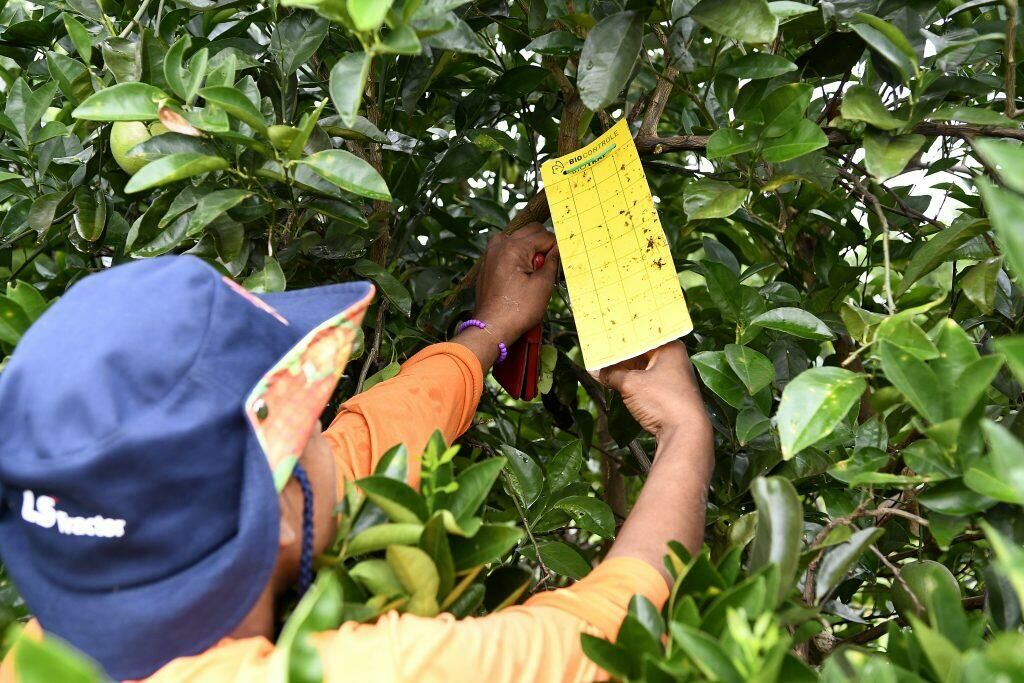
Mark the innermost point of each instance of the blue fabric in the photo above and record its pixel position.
(138, 515)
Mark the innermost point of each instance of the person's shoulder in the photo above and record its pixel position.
(241, 659)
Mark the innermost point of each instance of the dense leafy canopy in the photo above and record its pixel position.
(842, 184)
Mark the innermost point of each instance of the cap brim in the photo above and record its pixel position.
(307, 309)
(286, 403)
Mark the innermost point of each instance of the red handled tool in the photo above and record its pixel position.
(519, 372)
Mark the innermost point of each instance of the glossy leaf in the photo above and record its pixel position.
(748, 21)
(348, 172)
(122, 102)
(838, 561)
(609, 52)
(813, 405)
(779, 523)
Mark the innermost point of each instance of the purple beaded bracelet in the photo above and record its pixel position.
(502, 349)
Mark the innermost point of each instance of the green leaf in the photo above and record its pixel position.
(752, 367)
(523, 475)
(747, 21)
(211, 206)
(348, 172)
(727, 142)
(888, 41)
(90, 214)
(779, 526)
(901, 331)
(1007, 455)
(122, 102)
(172, 168)
(236, 104)
(79, 36)
(1006, 157)
(609, 52)
(396, 498)
(979, 283)
(297, 37)
(590, 514)
(434, 542)
(28, 297)
(936, 250)
(783, 109)
(616, 660)
(319, 610)
(50, 659)
(942, 656)
(174, 73)
(1013, 349)
(757, 65)
(564, 466)
(1005, 210)
(805, 138)
(976, 115)
(13, 320)
(377, 577)
(556, 43)
(839, 560)
(559, 557)
(915, 380)
(393, 290)
(886, 156)
(952, 497)
(713, 368)
(861, 103)
(418, 576)
(794, 321)
(1009, 557)
(712, 199)
(750, 424)
(347, 82)
(269, 279)
(487, 545)
(813, 404)
(368, 15)
(475, 483)
(971, 385)
(705, 653)
(381, 536)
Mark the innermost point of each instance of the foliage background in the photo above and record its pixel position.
(841, 184)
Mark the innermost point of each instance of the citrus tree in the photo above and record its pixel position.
(842, 186)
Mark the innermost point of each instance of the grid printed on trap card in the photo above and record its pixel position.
(623, 285)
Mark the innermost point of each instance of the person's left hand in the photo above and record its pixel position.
(511, 295)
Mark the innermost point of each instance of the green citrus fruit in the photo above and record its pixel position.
(124, 135)
(924, 578)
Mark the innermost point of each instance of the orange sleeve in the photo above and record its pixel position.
(538, 641)
(438, 388)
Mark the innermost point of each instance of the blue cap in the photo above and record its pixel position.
(138, 512)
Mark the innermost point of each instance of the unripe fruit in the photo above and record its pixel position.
(124, 135)
(923, 578)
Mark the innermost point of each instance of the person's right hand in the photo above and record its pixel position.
(660, 390)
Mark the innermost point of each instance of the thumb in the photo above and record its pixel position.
(613, 377)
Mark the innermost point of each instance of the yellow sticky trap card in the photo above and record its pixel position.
(623, 285)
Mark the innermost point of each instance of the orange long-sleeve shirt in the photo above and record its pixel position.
(537, 641)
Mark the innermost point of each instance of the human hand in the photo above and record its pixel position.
(511, 295)
(659, 389)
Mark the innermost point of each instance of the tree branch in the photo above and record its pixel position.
(1010, 60)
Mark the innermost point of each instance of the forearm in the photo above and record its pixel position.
(672, 503)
